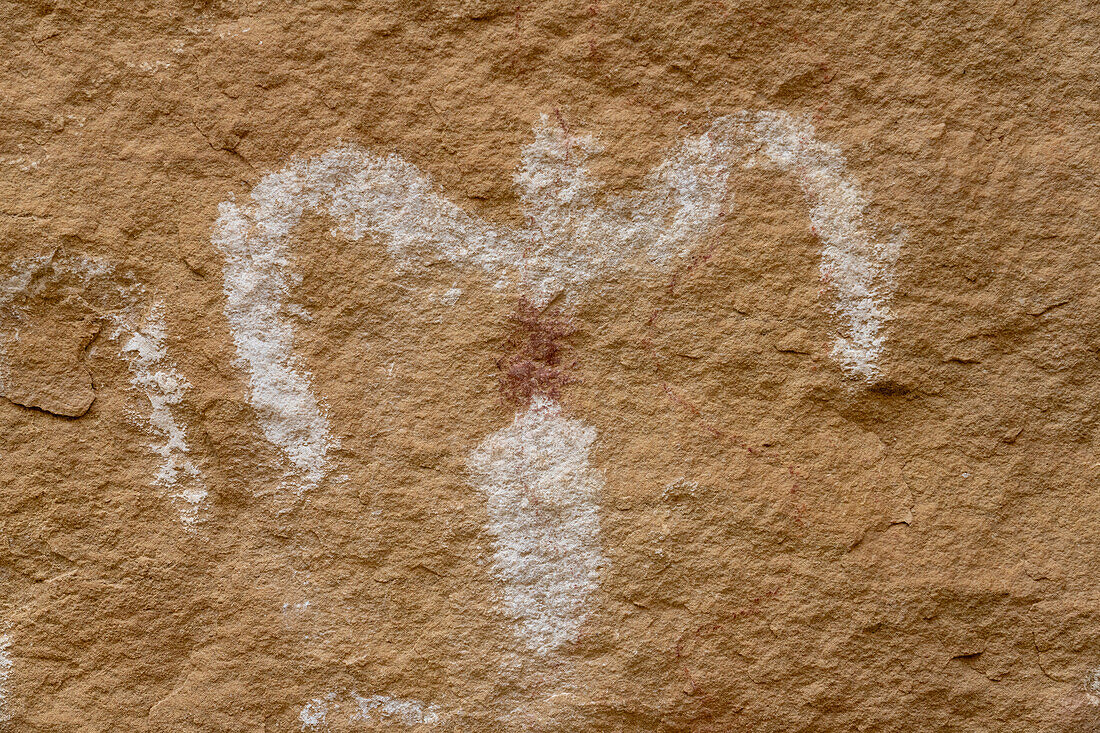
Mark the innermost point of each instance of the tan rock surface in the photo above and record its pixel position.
(654, 501)
(46, 367)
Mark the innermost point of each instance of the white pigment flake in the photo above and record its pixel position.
(543, 502)
(146, 352)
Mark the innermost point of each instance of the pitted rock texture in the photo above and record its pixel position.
(577, 488)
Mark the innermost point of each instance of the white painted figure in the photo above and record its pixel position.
(543, 497)
(572, 240)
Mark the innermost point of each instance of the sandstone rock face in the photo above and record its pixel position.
(604, 366)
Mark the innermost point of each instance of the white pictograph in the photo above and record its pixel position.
(575, 235)
(543, 497)
(144, 347)
(856, 261)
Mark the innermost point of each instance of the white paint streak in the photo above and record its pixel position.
(146, 352)
(573, 239)
(142, 344)
(355, 708)
(256, 284)
(543, 501)
(5, 673)
(855, 263)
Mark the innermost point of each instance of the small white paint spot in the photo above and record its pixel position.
(24, 164)
(355, 708)
(299, 607)
(678, 489)
(543, 501)
(146, 352)
(1092, 687)
(383, 708)
(451, 296)
(314, 714)
(149, 66)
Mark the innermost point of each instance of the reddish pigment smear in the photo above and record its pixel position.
(535, 353)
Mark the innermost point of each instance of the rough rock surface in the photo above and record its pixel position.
(597, 366)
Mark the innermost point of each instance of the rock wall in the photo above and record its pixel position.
(599, 366)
